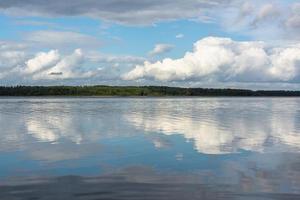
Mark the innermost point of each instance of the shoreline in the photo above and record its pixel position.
(140, 97)
(102, 91)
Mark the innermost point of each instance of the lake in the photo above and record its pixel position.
(150, 148)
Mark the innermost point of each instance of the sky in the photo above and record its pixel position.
(252, 44)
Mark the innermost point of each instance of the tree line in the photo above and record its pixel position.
(102, 90)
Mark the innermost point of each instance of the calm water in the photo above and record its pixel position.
(153, 148)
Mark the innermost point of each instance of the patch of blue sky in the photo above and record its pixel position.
(140, 40)
(120, 39)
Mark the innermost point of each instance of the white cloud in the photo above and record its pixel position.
(285, 63)
(225, 60)
(214, 62)
(179, 36)
(49, 66)
(41, 61)
(68, 67)
(20, 66)
(161, 49)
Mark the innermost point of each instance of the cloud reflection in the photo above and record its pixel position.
(221, 126)
(57, 129)
(76, 127)
(85, 136)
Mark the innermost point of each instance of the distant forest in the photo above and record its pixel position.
(133, 91)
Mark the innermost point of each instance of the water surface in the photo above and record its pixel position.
(150, 148)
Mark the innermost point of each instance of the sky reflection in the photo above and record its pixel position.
(249, 145)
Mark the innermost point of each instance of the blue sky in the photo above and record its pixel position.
(194, 43)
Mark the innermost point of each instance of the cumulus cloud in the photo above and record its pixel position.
(161, 49)
(213, 62)
(41, 61)
(225, 60)
(45, 65)
(19, 66)
(69, 67)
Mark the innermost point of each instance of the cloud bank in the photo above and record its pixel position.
(265, 19)
(18, 66)
(225, 60)
(213, 61)
(120, 11)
